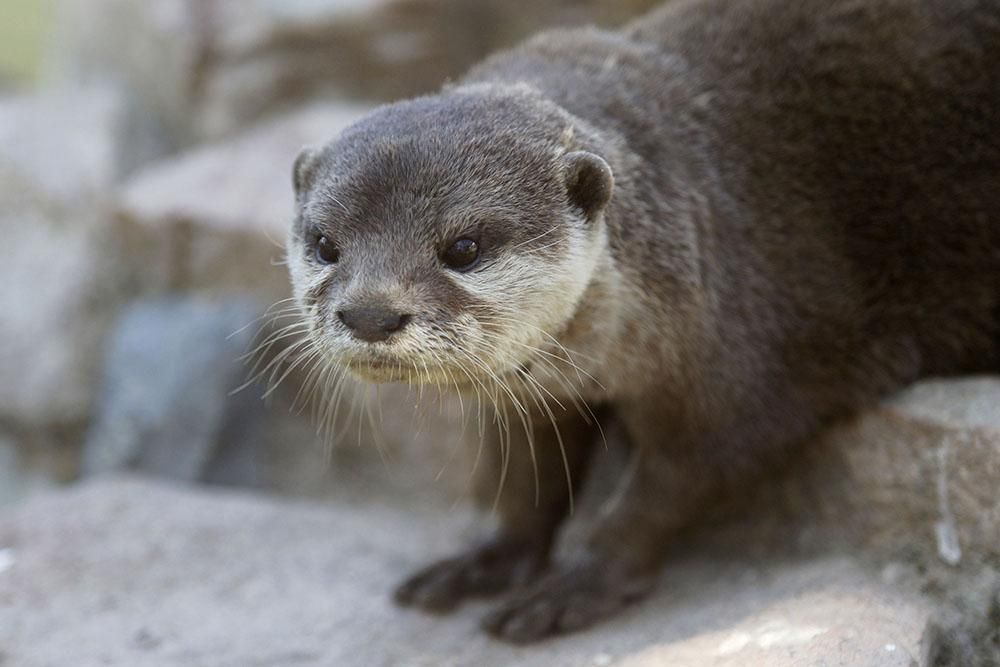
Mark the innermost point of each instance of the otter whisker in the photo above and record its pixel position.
(263, 350)
(256, 376)
(309, 383)
(576, 398)
(511, 318)
(276, 365)
(568, 358)
(304, 356)
(333, 435)
(333, 390)
(265, 315)
(531, 450)
(533, 251)
(376, 431)
(274, 337)
(522, 414)
(542, 404)
(456, 448)
(533, 239)
(505, 454)
(322, 389)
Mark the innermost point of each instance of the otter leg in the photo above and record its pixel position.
(668, 481)
(529, 514)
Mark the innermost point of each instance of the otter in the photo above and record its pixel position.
(723, 226)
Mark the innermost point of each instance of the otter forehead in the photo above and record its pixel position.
(448, 150)
(464, 114)
(395, 178)
(440, 166)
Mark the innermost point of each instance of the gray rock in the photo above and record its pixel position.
(965, 631)
(11, 479)
(126, 573)
(310, 583)
(60, 148)
(166, 406)
(915, 478)
(215, 219)
(32, 464)
(57, 294)
(64, 271)
(204, 68)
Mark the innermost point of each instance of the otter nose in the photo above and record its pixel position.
(372, 323)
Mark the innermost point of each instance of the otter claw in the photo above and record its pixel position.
(565, 602)
(486, 570)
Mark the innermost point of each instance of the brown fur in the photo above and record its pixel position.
(805, 216)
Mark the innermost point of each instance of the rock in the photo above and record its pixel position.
(130, 573)
(204, 68)
(915, 478)
(60, 148)
(63, 271)
(166, 406)
(56, 293)
(965, 631)
(11, 479)
(18, 478)
(35, 461)
(215, 218)
(154, 51)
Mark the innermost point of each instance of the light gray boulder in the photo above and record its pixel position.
(823, 567)
(214, 219)
(64, 270)
(915, 478)
(130, 573)
(205, 68)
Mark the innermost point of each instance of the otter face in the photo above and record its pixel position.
(445, 240)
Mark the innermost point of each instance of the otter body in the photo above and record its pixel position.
(723, 226)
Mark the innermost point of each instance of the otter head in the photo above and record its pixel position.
(446, 239)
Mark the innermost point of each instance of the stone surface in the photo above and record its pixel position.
(911, 481)
(129, 573)
(916, 477)
(166, 406)
(18, 478)
(59, 148)
(215, 218)
(203, 68)
(63, 270)
(965, 631)
(51, 329)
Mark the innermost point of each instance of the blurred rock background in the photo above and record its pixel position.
(145, 150)
(144, 165)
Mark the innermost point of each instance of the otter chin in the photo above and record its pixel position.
(724, 227)
(382, 372)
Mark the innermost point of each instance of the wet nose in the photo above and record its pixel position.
(372, 324)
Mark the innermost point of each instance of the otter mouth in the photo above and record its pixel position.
(399, 371)
(382, 370)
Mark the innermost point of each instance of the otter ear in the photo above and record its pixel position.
(304, 169)
(589, 182)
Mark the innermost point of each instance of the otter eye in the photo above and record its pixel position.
(461, 255)
(326, 251)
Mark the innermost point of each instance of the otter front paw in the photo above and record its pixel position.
(567, 601)
(488, 569)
